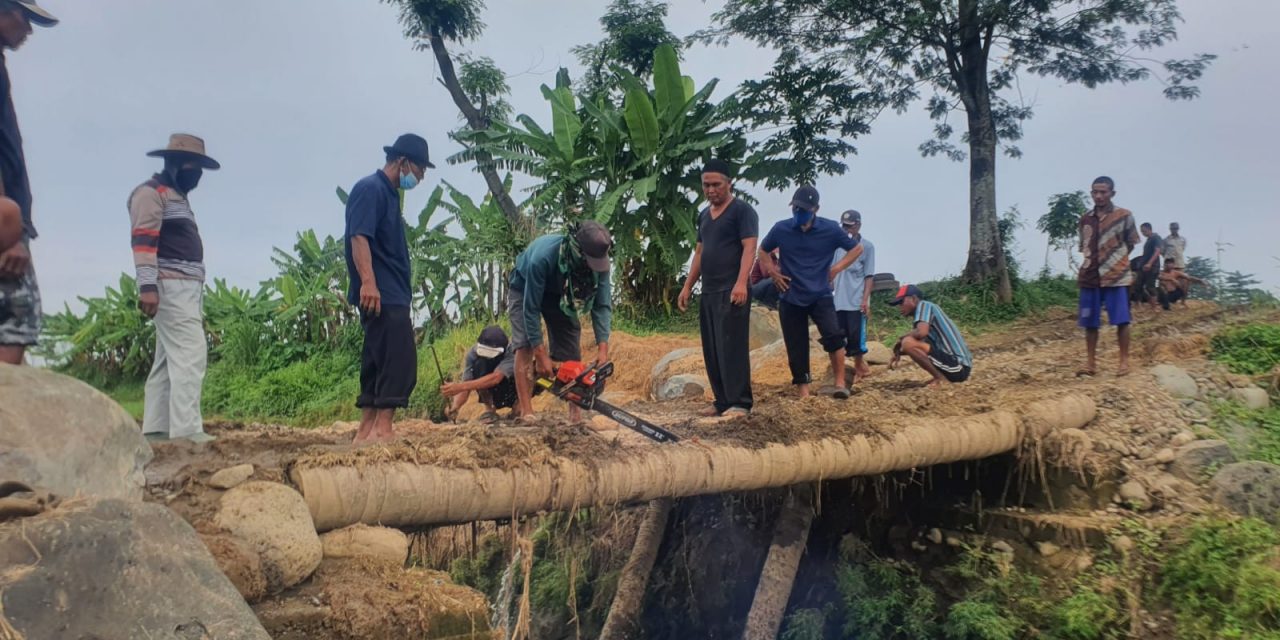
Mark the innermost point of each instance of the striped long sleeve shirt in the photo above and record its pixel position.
(1107, 237)
(164, 236)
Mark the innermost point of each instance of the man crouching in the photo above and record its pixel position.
(934, 342)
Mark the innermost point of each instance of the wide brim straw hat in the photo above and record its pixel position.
(185, 145)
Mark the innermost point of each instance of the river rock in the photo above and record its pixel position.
(685, 385)
(1047, 549)
(659, 374)
(109, 568)
(765, 327)
(1250, 489)
(363, 541)
(1182, 437)
(66, 437)
(1251, 397)
(1196, 460)
(877, 353)
(273, 519)
(1176, 381)
(231, 476)
(1134, 494)
(1165, 456)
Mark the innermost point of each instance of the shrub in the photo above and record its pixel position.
(1087, 615)
(1223, 580)
(1253, 349)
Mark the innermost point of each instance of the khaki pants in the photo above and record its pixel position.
(177, 375)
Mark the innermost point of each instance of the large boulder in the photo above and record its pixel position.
(1176, 381)
(668, 366)
(765, 327)
(1196, 460)
(66, 437)
(231, 476)
(239, 561)
(108, 568)
(1251, 397)
(1250, 489)
(684, 385)
(363, 541)
(275, 521)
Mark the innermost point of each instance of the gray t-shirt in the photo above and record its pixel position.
(506, 364)
(851, 283)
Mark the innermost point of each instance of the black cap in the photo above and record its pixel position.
(716, 165)
(906, 291)
(36, 14)
(850, 218)
(594, 242)
(413, 147)
(492, 343)
(806, 198)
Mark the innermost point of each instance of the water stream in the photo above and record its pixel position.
(500, 619)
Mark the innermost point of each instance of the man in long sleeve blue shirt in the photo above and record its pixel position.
(555, 278)
(804, 278)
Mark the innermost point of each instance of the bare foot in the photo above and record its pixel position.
(862, 374)
(709, 412)
(937, 383)
(528, 418)
(1122, 371)
(1086, 372)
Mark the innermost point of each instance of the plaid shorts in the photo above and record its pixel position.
(20, 310)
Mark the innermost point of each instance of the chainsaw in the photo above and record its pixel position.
(579, 384)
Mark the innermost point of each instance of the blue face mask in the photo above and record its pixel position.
(800, 217)
(408, 181)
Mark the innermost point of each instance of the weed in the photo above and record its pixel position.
(1253, 349)
(1087, 615)
(1263, 425)
(883, 599)
(805, 624)
(977, 620)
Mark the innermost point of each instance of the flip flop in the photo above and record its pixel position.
(1086, 373)
(840, 393)
(736, 412)
(709, 412)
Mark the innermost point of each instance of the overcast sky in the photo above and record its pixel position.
(296, 97)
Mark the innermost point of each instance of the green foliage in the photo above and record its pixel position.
(804, 624)
(882, 599)
(1061, 223)
(975, 620)
(1263, 428)
(633, 30)
(486, 85)
(109, 341)
(1253, 349)
(483, 571)
(1087, 615)
(975, 308)
(1222, 580)
(455, 20)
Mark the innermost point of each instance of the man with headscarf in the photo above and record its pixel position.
(727, 232)
(168, 257)
(557, 278)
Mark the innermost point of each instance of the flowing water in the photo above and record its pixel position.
(500, 620)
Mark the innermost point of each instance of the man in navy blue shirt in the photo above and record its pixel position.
(804, 277)
(378, 271)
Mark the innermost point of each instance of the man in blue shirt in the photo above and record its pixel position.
(378, 271)
(934, 343)
(804, 280)
(853, 294)
(558, 277)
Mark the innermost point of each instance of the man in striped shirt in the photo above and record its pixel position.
(1107, 237)
(168, 257)
(934, 343)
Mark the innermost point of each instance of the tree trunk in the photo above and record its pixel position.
(986, 253)
(345, 489)
(475, 120)
(624, 614)
(790, 535)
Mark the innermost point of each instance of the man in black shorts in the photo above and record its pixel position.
(489, 369)
(934, 342)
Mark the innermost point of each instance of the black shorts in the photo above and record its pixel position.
(854, 325)
(502, 396)
(389, 360)
(564, 334)
(949, 365)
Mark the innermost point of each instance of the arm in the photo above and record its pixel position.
(370, 297)
(1155, 258)
(602, 317)
(146, 215)
(695, 272)
(869, 260)
(741, 290)
(849, 257)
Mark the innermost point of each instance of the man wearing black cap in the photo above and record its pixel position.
(489, 369)
(934, 343)
(803, 276)
(19, 293)
(559, 277)
(378, 271)
(168, 259)
(727, 231)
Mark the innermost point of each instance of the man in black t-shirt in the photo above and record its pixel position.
(727, 232)
(1147, 268)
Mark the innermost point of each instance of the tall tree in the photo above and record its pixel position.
(431, 24)
(969, 54)
(633, 30)
(1062, 224)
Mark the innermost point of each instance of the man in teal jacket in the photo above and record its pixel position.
(556, 279)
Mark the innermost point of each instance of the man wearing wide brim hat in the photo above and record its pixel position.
(168, 257)
(19, 294)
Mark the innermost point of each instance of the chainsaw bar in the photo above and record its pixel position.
(577, 385)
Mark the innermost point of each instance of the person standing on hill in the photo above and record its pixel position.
(378, 273)
(726, 248)
(1175, 247)
(558, 277)
(853, 294)
(803, 276)
(19, 292)
(168, 257)
(1107, 237)
(1148, 267)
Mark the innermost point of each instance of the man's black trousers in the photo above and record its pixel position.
(726, 349)
(795, 333)
(389, 360)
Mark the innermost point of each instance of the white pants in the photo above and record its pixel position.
(177, 375)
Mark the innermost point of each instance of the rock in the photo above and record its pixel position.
(1238, 381)
(231, 476)
(919, 546)
(275, 521)
(684, 385)
(953, 541)
(66, 437)
(362, 541)
(1047, 549)
(1123, 544)
(109, 568)
(1133, 494)
(877, 353)
(1000, 546)
(1167, 486)
(935, 535)
(1165, 456)
(239, 561)
(764, 327)
(1193, 461)
(1176, 381)
(658, 375)
(1251, 397)
(1249, 489)
(1181, 438)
